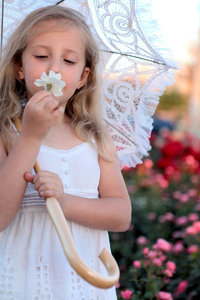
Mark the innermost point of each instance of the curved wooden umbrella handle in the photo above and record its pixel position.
(71, 253)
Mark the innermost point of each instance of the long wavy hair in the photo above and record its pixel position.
(83, 108)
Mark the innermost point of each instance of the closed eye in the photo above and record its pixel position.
(69, 61)
(41, 56)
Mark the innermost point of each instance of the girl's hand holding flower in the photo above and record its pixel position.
(40, 113)
(42, 110)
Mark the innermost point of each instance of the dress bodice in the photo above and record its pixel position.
(77, 167)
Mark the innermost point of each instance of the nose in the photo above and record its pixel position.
(55, 65)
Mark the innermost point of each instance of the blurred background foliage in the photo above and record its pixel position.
(165, 195)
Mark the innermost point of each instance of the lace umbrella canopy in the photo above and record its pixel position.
(136, 66)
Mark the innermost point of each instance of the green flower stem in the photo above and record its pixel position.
(137, 282)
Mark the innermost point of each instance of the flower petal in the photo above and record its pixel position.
(51, 79)
(39, 82)
(56, 91)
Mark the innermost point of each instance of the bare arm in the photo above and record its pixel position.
(13, 185)
(40, 113)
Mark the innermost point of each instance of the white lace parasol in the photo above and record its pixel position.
(136, 66)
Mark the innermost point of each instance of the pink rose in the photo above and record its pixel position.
(152, 254)
(182, 221)
(191, 230)
(192, 249)
(192, 192)
(178, 248)
(168, 273)
(184, 198)
(193, 217)
(182, 286)
(126, 294)
(163, 257)
(171, 265)
(177, 195)
(196, 225)
(169, 216)
(164, 296)
(148, 163)
(137, 264)
(142, 241)
(145, 251)
(163, 245)
(157, 261)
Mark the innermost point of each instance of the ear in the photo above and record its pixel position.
(21, 73)
(84, 77)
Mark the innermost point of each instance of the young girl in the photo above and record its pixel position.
(78, 164)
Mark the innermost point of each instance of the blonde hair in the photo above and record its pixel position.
(83, 108)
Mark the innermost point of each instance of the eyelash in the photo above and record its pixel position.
(69, 61)
(45, 56)
(41, 56)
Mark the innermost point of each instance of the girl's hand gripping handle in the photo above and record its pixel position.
(71, 253)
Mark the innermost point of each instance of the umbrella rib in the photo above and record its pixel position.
(59, 2)
(126, 137)
(134, 56)
(2, 15)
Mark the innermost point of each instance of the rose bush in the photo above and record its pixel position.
(159, 256)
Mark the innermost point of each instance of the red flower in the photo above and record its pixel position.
(166, 162)
(172, 148)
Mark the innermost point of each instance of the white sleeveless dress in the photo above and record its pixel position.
(33, 265)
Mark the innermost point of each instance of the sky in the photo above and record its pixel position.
(179, 22)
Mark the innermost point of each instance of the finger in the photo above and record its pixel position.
(57, 113)
(46, 177)
(43, 183)
(50, 104)
(37, 97)
(44, 173)
(48, 194)
(28, 177)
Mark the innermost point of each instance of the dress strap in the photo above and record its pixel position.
(14, 127)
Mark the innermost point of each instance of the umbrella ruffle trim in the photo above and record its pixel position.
(153, 90)
(131, 157)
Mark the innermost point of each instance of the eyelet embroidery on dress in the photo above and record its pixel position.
(77, 290)
(42, 287)
(6, 280)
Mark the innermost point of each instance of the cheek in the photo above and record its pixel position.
(71, 82)
(31, 88)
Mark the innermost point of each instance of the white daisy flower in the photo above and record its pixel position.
(51, 83)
